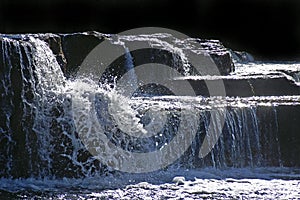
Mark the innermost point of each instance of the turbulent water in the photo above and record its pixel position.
(56, 127)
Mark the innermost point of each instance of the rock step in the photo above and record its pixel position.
(246, 87)
(71, 49)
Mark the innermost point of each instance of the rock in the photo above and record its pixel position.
(19, 144)
(76, 47)
(241, 56)
(55, 44)
(219, 54)
(71, 49)
(179, 180)
(246, 87)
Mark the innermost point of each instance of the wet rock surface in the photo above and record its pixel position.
(71, 49)
(242, 78)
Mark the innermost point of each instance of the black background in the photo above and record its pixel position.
(269, 29)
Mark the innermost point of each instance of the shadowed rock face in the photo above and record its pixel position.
(272, 86)
(71, 49)
(275, 128)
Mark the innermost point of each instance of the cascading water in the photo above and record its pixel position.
(39, 138)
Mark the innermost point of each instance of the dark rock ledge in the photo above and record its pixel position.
(71, 49)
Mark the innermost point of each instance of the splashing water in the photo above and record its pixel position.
(53, 118)
(53, 146)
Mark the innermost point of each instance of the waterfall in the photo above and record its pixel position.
(247, 139)
(38, 135)
(129, 65)
(6, 109)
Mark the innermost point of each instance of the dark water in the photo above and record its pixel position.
(44, 155)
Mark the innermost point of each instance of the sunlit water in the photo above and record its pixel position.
(259, 183)
(248, 177)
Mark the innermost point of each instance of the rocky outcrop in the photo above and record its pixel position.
(25, 120)
(245, 87)
(71, 49)
(241, 56)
